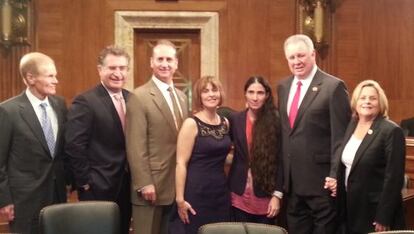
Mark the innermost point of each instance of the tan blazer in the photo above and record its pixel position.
(151, 138)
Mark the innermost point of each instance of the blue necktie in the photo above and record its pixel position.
(47, 129)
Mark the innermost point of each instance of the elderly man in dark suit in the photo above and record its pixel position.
(32, 173)
(155, 113)
(314, 111)
(95, 136)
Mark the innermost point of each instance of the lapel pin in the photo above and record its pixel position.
(314, 89)
(370, 131)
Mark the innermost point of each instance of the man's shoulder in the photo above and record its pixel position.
(144, 88)
(329, 78)
(91, 94)
(13, 102)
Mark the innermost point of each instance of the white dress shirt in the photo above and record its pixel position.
(163, 87)
(305, 85)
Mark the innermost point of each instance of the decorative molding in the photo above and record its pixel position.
(207, 22)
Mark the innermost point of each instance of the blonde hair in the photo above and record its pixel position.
(31, 63)
(294, 39)
(382, 98)
(202, 84)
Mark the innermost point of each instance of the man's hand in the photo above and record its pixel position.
(330, 183)
(148, 193)
(274, 207)
(8, 212)
(380, 228)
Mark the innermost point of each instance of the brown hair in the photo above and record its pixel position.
(113, 50)
(164, 42)
(202, 84)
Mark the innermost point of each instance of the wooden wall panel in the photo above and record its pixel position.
(251, 34)
(371, 39)
(10, 82)
(374, 39)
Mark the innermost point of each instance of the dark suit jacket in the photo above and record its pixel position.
(96, 143)
(376, 178)
(238, 171)
(309, 148)
(408, 126)
(29, 177)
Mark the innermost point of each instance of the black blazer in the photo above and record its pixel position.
(376, 178)
(29, 177)
(238, 171)
(95, 143)
(309, 148)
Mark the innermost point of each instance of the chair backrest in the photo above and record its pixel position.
(395, 231)
(87, 217)
(240, 228)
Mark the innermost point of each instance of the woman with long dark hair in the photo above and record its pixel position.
(255, 175)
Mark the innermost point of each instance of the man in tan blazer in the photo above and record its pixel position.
(155, 112)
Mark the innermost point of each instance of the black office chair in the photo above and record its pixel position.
(88, 217)
(396, 231)
(240, 228)
(408, 127)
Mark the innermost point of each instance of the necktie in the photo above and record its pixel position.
(293, 112)
(47, 129)
(119, 106)
(177, 114)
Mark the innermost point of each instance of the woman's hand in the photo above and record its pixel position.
(274, 207)
(183, 209)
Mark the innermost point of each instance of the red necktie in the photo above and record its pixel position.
(293, 112)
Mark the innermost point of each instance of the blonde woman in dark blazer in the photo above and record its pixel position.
(372, 164)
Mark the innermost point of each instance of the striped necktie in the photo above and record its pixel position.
(47, 129)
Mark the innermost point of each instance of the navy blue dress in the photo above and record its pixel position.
(206, 185)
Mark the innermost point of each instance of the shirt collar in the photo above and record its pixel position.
(307, 79)
(110, 92)
(161, 85)
(34, 100)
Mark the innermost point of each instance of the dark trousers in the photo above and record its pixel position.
(311, 214)
(123, 200)
(238, 215)
(30, 224)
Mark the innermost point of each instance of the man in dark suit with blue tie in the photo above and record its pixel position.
(314, 112)
(95, 141)
(32, 173)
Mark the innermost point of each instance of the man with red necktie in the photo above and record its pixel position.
(314, 112)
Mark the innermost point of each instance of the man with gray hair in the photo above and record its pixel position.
(95, 139)
(314, 112)
(32, 173)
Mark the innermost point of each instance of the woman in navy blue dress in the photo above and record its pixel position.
(202, 193)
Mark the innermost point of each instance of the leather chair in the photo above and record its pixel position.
(86, 217)
(396, 231)
(240, 228)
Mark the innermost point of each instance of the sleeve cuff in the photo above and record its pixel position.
(277, 194)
